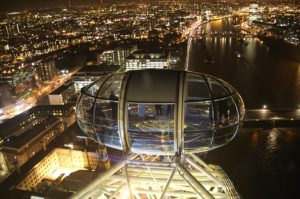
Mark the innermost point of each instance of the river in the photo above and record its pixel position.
(262, 163)
(262, 75)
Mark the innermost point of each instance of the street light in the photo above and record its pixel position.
(264, 106)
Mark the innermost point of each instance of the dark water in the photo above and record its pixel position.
(261, 163)
(263, 75)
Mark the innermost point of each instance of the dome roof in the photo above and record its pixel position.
(160, 111)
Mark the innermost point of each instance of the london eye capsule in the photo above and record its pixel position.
(160, 112)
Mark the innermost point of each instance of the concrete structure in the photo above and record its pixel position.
(46, 70)
(147, 59)
(20, 148)
(28, 119)
(58, 164)
(89, 74)
(107, 56)
(122, 52)
(153, 177)
(63, 94)
(116, 56)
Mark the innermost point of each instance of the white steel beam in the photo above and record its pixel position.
(204, 193)
(100, 178)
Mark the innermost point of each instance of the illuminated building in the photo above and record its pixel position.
(46, 71)
(116, 56)
(19, 149)
(89, 74)
(21, 79)
(175, 58)
(122, 52)
(63, 94)
(107, 56)
(19, 124)
(28, 119)
(147, 59)
(253, 12)
(65, 113)
(161, 119)
(59, 163)
(4, 171)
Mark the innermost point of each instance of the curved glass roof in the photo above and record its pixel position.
(160, 111)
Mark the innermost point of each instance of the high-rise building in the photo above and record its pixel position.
(116, 56)
(46, 71)
(122, 52)
(21, 79)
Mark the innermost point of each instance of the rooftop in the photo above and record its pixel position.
(103, 68)
(61, 89)
(19, 141)
(148, 54)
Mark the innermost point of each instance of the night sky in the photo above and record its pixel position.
(20, 5)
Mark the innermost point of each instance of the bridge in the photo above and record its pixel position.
(270, 118)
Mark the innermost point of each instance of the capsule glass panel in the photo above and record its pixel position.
(240, 105)
(223, 136)
(210, 116)
(151, 128)
(197, 88)
(225, 113)
(84, 114)
(111, 88)
(217, 89)
(198, 125)
(106, 123)
(94, 88)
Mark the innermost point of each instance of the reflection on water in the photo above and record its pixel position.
(262, 74)
(254, 139)
(271, 142)
(262, 163)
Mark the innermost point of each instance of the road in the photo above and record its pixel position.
(37, 94)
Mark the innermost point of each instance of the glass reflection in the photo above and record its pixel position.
(217, 89)
(94, 88)
(196, 88)
(111, 87)
(151, 127)
(223, 136)
(225, 113)
(84, 114)
(106, 123)
(198, 125)
(212, 114)
(240, 105)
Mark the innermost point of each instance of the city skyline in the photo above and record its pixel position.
(23, 5)
(143, 99)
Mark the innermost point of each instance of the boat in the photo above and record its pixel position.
(238, 55)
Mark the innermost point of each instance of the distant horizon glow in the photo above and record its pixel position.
(22, 5)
